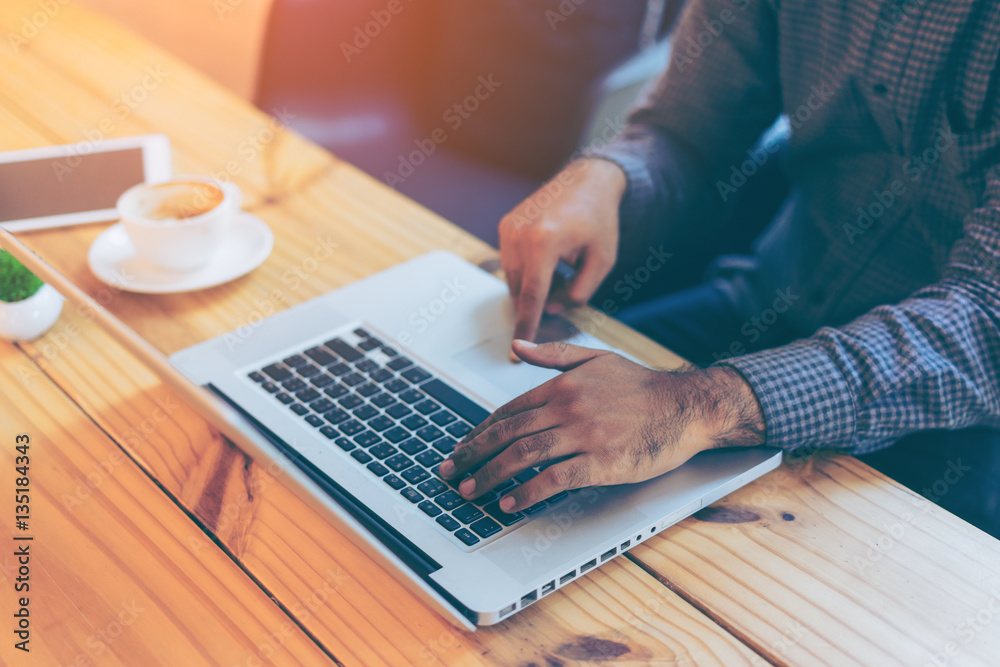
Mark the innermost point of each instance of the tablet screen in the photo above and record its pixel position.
(50, 186)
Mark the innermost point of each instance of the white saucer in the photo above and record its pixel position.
(113, 260)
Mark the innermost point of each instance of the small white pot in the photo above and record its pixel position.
(30, 318)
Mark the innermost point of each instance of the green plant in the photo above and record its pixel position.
(16, 282)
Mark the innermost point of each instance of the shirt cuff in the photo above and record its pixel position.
(805, 398)
(640, 191)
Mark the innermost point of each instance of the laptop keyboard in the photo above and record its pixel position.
(396, 420)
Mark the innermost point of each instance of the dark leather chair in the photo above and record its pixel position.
(380, 89)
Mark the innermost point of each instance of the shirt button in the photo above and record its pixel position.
(880, 89)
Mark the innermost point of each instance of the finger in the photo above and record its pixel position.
(527, 402)
(535, 284)
(558, 355)
(511, 262)
(574, 473)
(597, 263)
(513, 458)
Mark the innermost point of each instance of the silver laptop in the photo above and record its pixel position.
(367, 388)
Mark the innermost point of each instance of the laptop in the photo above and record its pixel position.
(367, 388)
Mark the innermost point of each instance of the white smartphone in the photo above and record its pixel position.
(75, 184)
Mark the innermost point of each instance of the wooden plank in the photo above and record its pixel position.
(827, 562)
(119, 575)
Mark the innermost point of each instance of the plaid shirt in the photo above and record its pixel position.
(892, 232)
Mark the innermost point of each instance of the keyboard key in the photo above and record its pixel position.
(448, 522)
(380, 423)
(394, 482)
(486, 498)
(351, 427)
(397, 385)
(426, 407)
(321, 356)
(412, 494)
(345, 444)
(361, 456)
(377, 468)
(413, 422)
(336, 391)
(485, 527)
(443, 418)
(429, 508)
(321, 406)
(293, 384)
(562, 495)
(389, 352)
(314, 420)
(284, 398)
(526, 475)
(256, 377)
(534, 509)
(307, 395)
(295, 360)
(399, 363)
(468, 513)
(429, 433)
(415, 474)
(416, 375)
(396, 434)
(277, 372)
(329, 432)
(505, 487)
(366, 438)
(445, 445)
(432, 487)
(365, 412)
(353, 379)
(299, 409)
(339, 369)
(411, 395)
(398, 411)
(399, 462)
(351, 401)
(459, 429)
(269, 387)
(382, 400)
(449, 500)
(307, 371)
(466, 536)
(370, 344)
(368, 389)
(344, 350)
(366, 365)
(321, 380)
(384, 450)
(361, 333)
(335, 416)
(428, 458)
(381, 375)
(413, 446)
(455, 401)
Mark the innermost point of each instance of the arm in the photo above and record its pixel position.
(929, 362)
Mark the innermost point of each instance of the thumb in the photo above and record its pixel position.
(560, 356)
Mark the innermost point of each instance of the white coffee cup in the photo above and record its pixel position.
(180, 224)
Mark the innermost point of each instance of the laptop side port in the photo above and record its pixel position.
(566, 578)
(626, 544)
(586, 566)
(610, 553)
(508, 609)
(549, 587)
(528, 599)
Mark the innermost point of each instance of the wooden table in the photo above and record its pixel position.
(157, 542)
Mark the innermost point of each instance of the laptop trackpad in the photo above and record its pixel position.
(566, 532)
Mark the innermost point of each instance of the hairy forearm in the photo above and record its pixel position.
(718, 407)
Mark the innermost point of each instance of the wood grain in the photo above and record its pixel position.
(119, 575)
